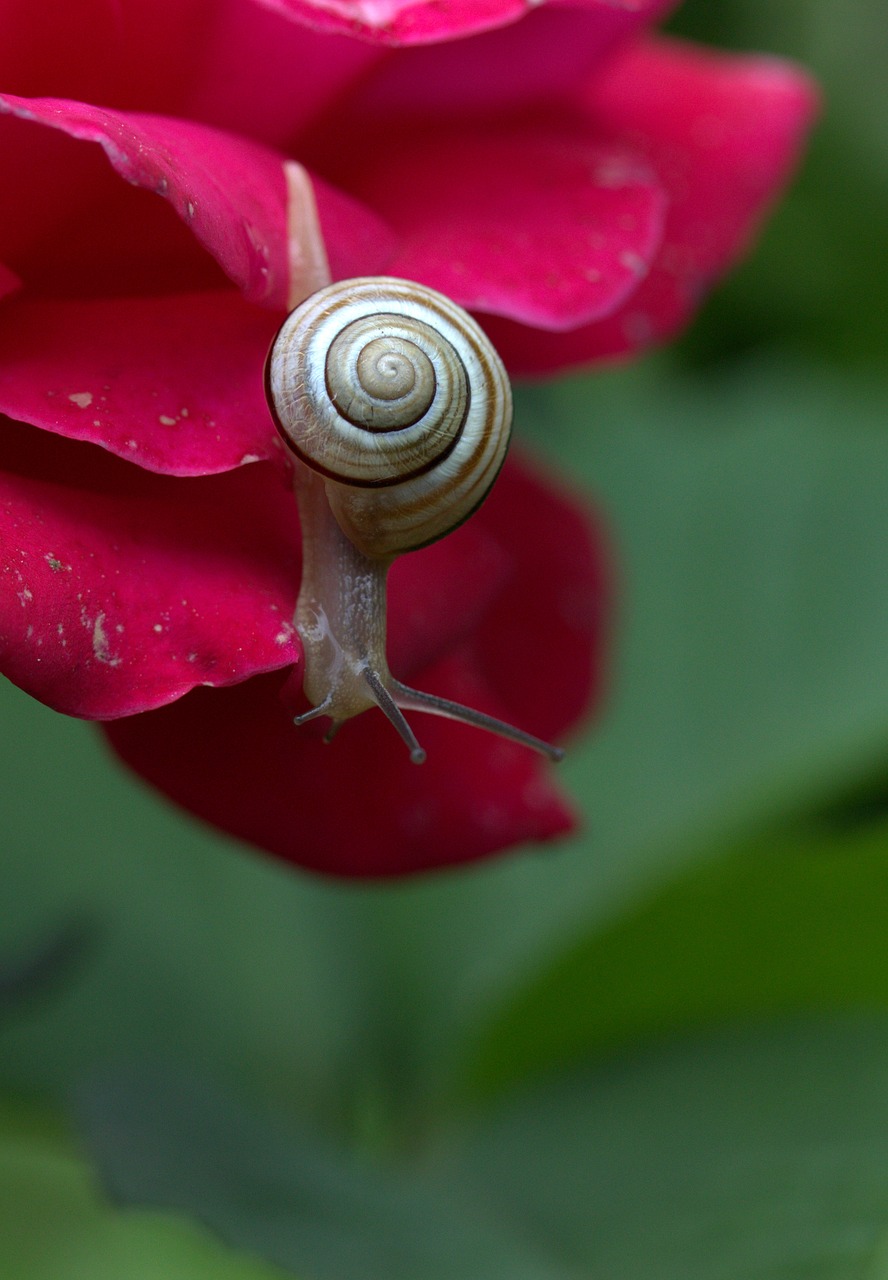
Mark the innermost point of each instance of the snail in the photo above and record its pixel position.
(397, 413)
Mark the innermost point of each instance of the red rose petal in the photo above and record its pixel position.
(173, 383)
(230, 191)
(554, 610)
(723, 134)
(107, 238)
(357, 807)
(38, 164)
(123, 591)
(230, 64)
(512, 68)
(439, 596)
(133, 55)
(540, 225)
(408, 22)
(160, 584)
(261, 77)
(9, 281)
(397, 22)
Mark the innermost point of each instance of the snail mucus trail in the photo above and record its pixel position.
(397, 412)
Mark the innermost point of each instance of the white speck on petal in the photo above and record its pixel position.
(166, 421)
(100, 643)
(83, 399)
(633, 262)
(614, 173)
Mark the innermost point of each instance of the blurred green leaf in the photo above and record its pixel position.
(744, 1156)
(749, 519)
(750, 1155)
(203, 949)
(163, 1139)
(55, 1225)
(42, 970)
(797, 920)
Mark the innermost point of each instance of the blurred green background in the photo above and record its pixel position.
(661, 1051)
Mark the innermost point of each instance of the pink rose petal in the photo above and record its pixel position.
(231, 193)
(723, 134)
(125, 53)
(9, 281)
(120, 591)
(57, 183)
(515, 67)
(265, 78)
(397, 22)
(439, 596)
(230, 64)
(172, 383)
(555, 608)
(405, 22)
(540, 224)
(234, 758)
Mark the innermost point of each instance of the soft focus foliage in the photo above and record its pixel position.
(657, 1053)
(55, 1224)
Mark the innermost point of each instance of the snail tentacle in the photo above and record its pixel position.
(416, 700)
(397, 412)
(392, 710)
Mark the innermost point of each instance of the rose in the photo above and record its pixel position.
(573, 181)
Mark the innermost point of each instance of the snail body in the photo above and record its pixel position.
(397, 411)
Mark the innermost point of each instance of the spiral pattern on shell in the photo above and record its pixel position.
(394, 394)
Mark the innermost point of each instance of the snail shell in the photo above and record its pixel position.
(393, 394)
